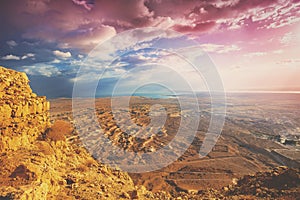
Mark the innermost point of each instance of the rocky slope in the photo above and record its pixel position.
(279, 183)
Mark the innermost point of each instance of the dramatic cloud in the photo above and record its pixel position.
(76, 27)
(62, 54)
(10, 57)
(60, 34)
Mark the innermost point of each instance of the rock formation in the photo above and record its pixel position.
(23, 115)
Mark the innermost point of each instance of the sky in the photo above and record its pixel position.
(253, 44)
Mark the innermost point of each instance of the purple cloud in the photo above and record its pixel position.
(74, 27)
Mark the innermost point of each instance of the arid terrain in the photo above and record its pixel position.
(43, 155)
(249, 142)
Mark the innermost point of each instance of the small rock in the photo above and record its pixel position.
(92, 185)
(125, 195)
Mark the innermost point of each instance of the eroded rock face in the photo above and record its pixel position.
(37, 167)
(23, 115)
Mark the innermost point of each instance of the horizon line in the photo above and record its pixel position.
(237, 91)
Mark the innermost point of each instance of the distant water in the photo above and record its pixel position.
(147, 95)
(153, 96)
(259, 94)
(161, 95)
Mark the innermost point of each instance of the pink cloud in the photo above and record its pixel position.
(46, 20)
(87, 38)
(87, 4)
(201, 27)
(265, 31)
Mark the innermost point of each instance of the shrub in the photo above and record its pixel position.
(59, 130)
(82, 168)
(45, 148)
(91, 162)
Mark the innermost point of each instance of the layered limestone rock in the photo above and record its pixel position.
(23, 115)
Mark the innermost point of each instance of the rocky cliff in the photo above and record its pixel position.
(23, 115)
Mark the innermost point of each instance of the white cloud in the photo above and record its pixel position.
(135, 39)
(86, 78)
(289, 62)
(62, 54)
(56, 61)
(182, 76)
(222, 4)
(280, 51)
(42, 69)
(218, 48)
(287, 38)
(10, 57)
(273, 16)
(255, 54)
(28, 55)
(261, 53)
(284, 22)
(11, 43)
